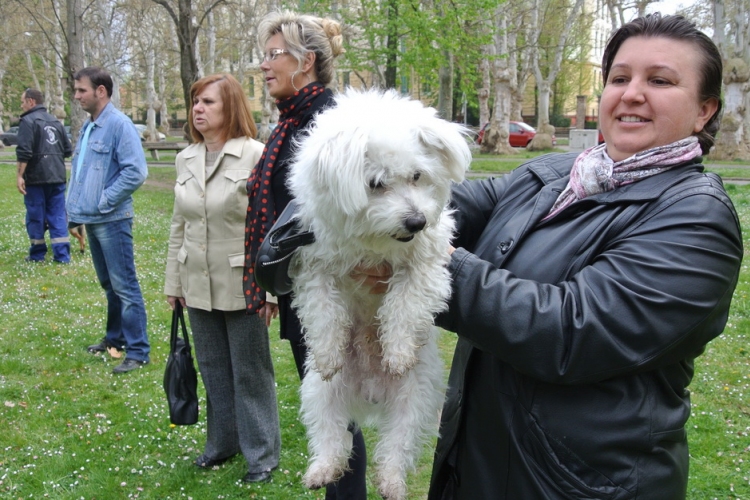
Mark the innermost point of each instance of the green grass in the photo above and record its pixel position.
(70, 429)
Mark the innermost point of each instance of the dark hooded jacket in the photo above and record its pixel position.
(43, 145)
(577, 335)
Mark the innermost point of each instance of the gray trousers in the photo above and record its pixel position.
(234, 358)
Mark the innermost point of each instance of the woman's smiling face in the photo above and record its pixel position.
(651, 97)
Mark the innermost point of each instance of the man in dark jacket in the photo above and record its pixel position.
(41, 152)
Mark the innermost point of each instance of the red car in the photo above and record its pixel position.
(520, 134)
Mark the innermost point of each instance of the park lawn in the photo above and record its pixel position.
(71, 429)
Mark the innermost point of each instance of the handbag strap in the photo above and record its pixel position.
(178, 320)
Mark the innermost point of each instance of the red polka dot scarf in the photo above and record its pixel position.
(261, 210)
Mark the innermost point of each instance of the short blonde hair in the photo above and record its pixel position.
(304, 34)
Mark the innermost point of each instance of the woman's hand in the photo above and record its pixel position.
(268, 312)
(172, 301)
(375, 278)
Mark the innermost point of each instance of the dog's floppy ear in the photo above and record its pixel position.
(341, 169)
(449, 144)
(330, 161)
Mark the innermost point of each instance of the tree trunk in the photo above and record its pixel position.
(151, 100)
(730, 35)
(210, 67)
(483, 94)
(4, 56)
(445, 92)
(58, 99)
(109, 51)
(520, 66)
(74, 16)
(731, 143)
(391, 63)
(164, 110)
(543, 138)
(32, 70)
(496, 136)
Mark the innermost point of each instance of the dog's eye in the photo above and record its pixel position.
(417, 176)
(376, 184)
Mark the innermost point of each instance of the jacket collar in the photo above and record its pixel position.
(101, 120)
(38, 107)
(549, 173)
(653, 187)
(195, 156)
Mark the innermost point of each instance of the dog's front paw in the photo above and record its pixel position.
(321, 473)
(398, 364)
(391, 487)
(328, 364)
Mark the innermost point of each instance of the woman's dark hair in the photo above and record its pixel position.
(680, 29)
(97, 76)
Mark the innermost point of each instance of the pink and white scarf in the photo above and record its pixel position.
(595, 172)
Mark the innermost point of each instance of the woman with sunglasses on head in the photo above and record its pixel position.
(299, 52)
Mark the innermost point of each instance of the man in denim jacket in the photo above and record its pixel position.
(108, 166)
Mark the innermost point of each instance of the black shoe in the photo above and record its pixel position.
(205, 462)
(129, 365)
(101, 347)
(257, 477)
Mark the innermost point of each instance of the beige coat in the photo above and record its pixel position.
(207, 238)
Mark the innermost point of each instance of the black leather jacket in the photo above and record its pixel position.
(577, 335)
(43, 146)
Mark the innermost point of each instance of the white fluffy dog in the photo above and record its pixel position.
(372, 180)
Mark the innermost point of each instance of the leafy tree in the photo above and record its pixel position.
(188, 21)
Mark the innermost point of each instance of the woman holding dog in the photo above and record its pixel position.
(584, 288)
(204, 273)
(299, 52)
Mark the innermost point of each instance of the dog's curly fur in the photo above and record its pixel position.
(372, 179)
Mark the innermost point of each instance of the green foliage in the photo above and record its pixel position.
(17, 79)
(559, 121)
(425, 32)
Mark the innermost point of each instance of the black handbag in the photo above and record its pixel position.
(277, 249)
(180, 378)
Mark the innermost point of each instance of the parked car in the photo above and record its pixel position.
(520, 134)
(10, 136)
(142, 129)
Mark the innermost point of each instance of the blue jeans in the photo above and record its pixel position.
(45, 209)
(111, 246)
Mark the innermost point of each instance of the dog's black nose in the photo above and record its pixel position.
(415, 223)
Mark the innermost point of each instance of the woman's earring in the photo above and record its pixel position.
(293, 85)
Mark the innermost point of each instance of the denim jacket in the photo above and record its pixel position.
(114, 166)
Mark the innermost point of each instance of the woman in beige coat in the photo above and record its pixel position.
(204, 272)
